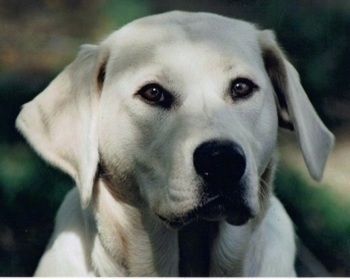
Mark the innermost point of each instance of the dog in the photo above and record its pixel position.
(169, 129)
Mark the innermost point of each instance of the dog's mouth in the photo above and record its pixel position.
(215, 208)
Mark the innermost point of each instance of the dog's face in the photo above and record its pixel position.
(181, 110)
(188, 119)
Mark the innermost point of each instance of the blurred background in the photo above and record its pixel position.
(39, 37)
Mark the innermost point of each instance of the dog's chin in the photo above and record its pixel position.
(214, 209)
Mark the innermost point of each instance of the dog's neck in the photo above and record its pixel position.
(145, 247)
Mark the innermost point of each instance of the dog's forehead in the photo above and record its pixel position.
(192, 25)
(139, 42)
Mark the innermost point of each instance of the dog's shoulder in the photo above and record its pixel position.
(69, 246)
(270, 241)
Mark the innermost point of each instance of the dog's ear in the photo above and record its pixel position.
(60, 123)
(294, 108)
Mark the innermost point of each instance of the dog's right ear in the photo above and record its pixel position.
(60, 123)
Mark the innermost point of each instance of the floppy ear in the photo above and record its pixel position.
(60, 123)
(294, 108)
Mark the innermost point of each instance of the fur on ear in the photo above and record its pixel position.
(294, 108)
(60, 123)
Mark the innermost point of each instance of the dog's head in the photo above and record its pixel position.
(180, 110)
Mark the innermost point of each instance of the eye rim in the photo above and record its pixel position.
(164, 98)
(252, 87)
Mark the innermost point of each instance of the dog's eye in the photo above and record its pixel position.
(154, 94)
(242, 87)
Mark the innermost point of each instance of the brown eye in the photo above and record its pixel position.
(154, 94)
(242, 87)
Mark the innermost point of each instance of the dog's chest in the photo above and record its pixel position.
(195, 245)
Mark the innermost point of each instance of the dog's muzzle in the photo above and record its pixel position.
(220, 165)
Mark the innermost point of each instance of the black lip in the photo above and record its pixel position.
(213, 209)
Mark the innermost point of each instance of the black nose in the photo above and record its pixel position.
(219, 163)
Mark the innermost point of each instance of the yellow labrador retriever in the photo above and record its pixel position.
(168, 128)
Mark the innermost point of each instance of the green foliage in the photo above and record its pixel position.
(321, 218)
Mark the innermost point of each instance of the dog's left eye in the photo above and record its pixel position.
(154, 94)
(242, 87)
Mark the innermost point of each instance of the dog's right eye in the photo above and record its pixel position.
(154, 94)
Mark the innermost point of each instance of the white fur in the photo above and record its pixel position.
(90, 115)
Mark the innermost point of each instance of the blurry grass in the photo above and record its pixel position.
(20, 168)
(30, 193)
(16, 168)
(322, 219)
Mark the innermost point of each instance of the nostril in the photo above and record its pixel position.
(219, 162)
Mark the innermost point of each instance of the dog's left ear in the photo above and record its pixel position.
(60, 123)
(294, 108)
